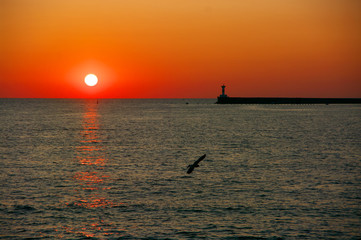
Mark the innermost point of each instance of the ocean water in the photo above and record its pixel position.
(75, 169)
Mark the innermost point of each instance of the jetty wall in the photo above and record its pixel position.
(263, 100)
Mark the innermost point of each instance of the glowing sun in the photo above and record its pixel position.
(91, 80)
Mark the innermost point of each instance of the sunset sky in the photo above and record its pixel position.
(180, 48)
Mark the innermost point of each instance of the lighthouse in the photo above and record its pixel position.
(223, 95)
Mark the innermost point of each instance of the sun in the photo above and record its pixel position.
(91, 80)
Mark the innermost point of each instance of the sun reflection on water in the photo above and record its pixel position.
(92, 181)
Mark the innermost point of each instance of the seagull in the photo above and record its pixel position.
(195, 164)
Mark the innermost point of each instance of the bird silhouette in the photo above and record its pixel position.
(195, 164)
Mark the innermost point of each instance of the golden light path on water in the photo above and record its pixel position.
(91, 181)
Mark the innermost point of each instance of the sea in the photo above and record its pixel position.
(117, 169)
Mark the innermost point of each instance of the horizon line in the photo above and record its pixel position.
(174, 97)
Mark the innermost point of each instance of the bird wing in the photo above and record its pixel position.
(190, 169)
(199, 159)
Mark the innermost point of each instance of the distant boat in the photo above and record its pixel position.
(195, 164)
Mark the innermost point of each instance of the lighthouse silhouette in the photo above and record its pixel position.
(223, 95)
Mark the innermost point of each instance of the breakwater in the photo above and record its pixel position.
(266, 100)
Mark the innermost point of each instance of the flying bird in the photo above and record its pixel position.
(195, 164)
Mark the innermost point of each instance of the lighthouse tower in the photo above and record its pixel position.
(223, 95)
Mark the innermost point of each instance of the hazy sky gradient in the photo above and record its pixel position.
(180, 48)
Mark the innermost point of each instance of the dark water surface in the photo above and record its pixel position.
(75, 169)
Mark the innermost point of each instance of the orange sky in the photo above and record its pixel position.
(180, 48)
